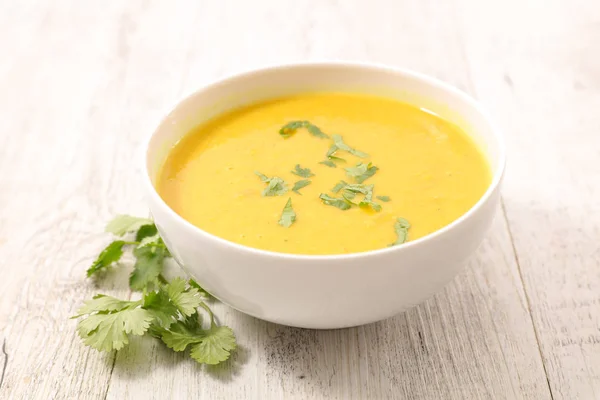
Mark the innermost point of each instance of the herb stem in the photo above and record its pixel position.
(209, 311)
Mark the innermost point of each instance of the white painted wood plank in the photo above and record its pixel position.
(540, 78)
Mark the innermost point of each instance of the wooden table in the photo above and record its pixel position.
(83, 83)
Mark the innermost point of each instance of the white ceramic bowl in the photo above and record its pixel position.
(331, 291)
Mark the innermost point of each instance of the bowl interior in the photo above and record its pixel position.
(251, 87)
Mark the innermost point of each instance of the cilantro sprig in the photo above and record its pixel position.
(170, 311)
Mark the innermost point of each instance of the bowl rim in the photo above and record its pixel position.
(373, 67)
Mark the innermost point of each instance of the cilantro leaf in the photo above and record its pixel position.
(162, 309)
(200, 289)
(262, 177)
(339, 186)
(111, 254)
(338, 144)
(154, 240)
(288, 129)
(302, 172)
(109, 321)
(172, 300)
(122, 224)
(401, 226)
(148, 266)
(185, 299)
(329, 163)
(367, 201)
(359, 188)
(300, 184)
(101, 302)
(361, 172)
(146, 231)
(342, 204)
(288, 215)
(384, 198)
(315, 130)
(179, 336)
(215, 346)
(275, 186)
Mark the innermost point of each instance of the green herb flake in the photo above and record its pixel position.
(371, 204)
(262, 177)
(384, 198)
(329, 163)
(342, 204)
(288, 216)
(302, 172)
(275, 185)
(401, 227)
(339, 186)
(300, 184)
(288, 129)
(367, 201)
(338, 144)
(361, 172)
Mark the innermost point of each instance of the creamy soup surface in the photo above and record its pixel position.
(429, 171)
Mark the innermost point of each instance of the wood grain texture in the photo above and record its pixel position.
(82, 84)
(544, 89)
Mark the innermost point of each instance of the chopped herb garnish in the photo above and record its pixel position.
(329, 163)
(334, 158)
(275, 186)
(367, 201)
(349, 196)
(288, 129)
(314, 130)
(361, 172)
(401, 226)
(342, 204)
(300, 184)
(302, 172)
(338, 144)
(339, 186)
(331, 151)
(384, 198)
(288, 216)
(349, 192)
(262, 177)
(359, 188)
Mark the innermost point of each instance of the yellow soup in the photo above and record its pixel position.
(429, 171)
